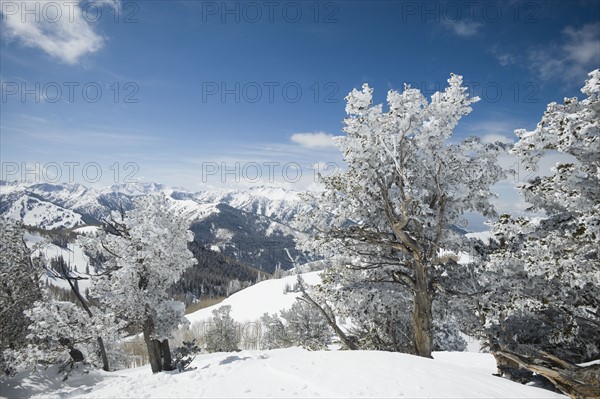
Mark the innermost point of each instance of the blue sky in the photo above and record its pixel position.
(190, 88)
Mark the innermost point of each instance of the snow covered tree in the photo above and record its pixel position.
(274, 334)
(59, 269)
(389, 213)
(306, 327)
(63, 331)
(145, 252)
(19, 290)
(58, 332)
(234, 286)
(447, 337)
(279, 272)
(222, 334)
(547, 314)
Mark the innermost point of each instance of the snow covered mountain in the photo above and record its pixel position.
(251, 226)
(43, 214)
(93, 204)
(273, 202)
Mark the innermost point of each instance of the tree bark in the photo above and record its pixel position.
(153, 347)
(422, 313)
(508, 368)
(103, 354)
(166, 356)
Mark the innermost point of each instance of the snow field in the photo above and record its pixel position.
(295, 372)
(249, 304)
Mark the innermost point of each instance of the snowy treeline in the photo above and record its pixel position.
(386, 225)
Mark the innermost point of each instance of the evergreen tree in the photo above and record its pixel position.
(544, 307)
(305, 326)
(146, 252)
(222, 335)
(387, 216)
(274, 334)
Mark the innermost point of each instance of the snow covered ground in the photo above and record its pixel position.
(292, 373)
(286, 373)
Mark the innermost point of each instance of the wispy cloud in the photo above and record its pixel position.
(462, 28)
(60, 29)
(86, 137)
(314, 140)
(245, 165)
(505, 58)
(577, 52)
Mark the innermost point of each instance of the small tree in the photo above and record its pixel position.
(387, 216)
(222, 335)
(306, 327)
(185, 354)
(145, 252)
(274, 334)
(234, 286)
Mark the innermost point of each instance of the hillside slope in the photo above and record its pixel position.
(251, 303)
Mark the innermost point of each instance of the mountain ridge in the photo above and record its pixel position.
(256, 222)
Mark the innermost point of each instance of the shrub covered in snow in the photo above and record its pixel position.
(222, 332)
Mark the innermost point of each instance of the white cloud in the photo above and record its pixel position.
(60, 29)
(505, 58)
(463, 28)
(314, 140)
(583, 46)
(577, 54)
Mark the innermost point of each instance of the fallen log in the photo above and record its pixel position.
(575, 381)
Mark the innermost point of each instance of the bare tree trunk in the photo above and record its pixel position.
(103, 354)
(166, 356)
(422, 313)
(153, 347)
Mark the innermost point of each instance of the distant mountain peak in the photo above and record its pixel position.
(139, 188)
